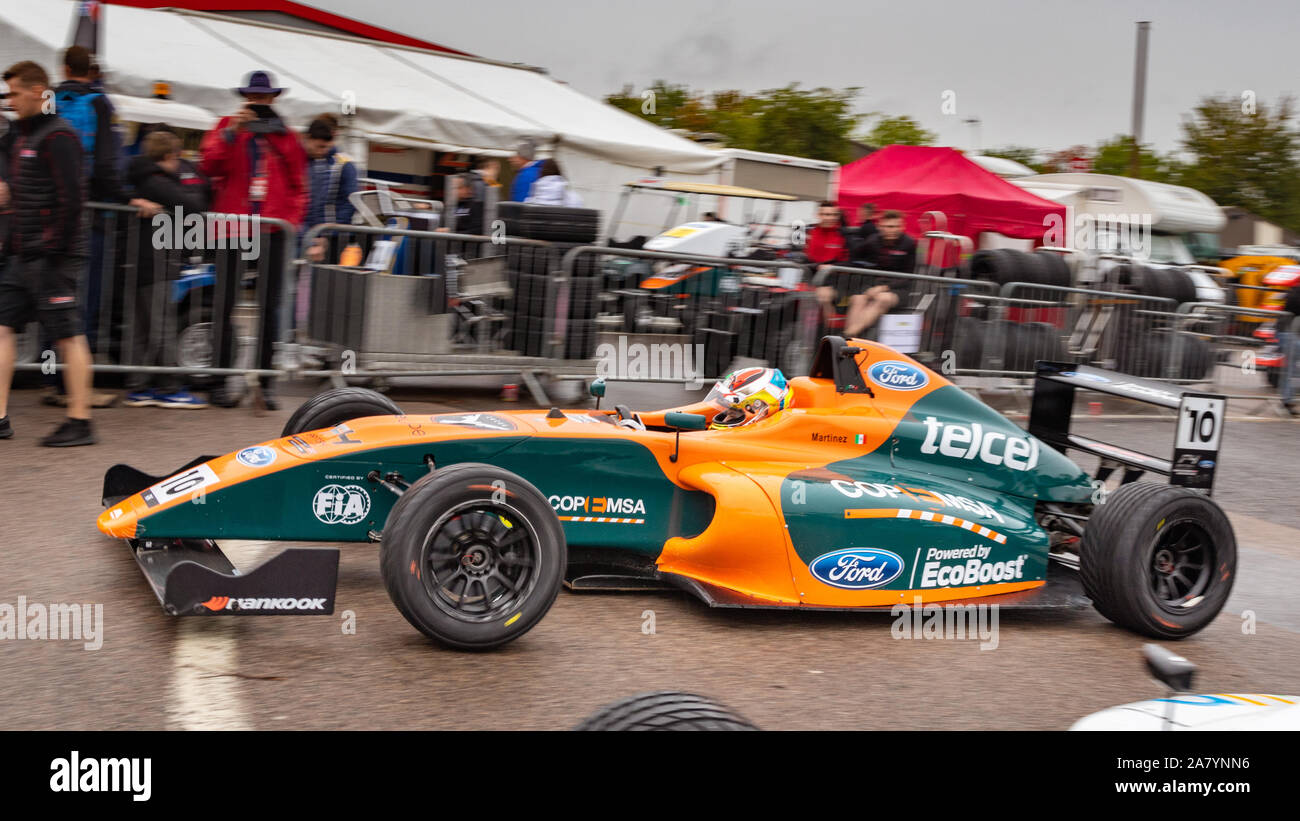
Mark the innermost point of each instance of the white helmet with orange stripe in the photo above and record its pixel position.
(748, 395)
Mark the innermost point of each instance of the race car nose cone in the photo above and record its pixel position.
(118, 521)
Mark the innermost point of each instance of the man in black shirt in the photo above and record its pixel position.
(865, 230)
(890, 248)
(45, 246)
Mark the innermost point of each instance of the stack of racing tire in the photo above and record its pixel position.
(755, 322)
(532, 271)
(1028, 333)
(1145, 347)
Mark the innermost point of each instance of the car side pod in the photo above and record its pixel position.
(193, 577)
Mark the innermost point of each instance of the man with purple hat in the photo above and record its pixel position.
(258, 167)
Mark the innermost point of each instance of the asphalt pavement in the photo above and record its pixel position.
(365, 668)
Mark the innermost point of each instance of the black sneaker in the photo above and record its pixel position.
(270, 400)
(222, 397)
(70, 434)
(6, 429)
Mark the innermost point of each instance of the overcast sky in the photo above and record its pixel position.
(1044, 74)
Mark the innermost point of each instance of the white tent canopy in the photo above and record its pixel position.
(402, 96)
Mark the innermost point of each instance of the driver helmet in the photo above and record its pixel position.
(748, 395)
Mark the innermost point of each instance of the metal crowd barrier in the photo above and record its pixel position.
(724, 310)
(1234, 366)
(431, 304)
(998, 341)
(152, 294)
(936, 303)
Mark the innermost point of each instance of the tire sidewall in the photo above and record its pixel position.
(1135, 564)
(420, 508)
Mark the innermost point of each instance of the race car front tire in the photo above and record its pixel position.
(331, 408)
(472, 556)
(1158, 559)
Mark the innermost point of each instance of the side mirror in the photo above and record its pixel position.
(597, 389)
(1170, 668)
(686, 421)
(679, 422)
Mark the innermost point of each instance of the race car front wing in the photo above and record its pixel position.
(193, 577)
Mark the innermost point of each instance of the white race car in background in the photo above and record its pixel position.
(1185, 711)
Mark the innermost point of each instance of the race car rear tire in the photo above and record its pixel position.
(334, 407)
(472, 556)
(664, 711)
(1158, 559)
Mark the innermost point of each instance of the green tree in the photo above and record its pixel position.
(1115, 156)
(902, 130)
(1020, 153)
(1246, 156)
(815, 123)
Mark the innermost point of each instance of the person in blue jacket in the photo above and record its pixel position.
(527, 168)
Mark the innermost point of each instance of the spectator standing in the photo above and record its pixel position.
(1289, 342)
(526, 169)
(160, 174)
(45, 246)
(489, 170)
(552, 188)
(258, 167)
(469, 206)
(890, 248)
(81, 102)
(332, 177)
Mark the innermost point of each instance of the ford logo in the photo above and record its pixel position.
(899, 376)
(256, 457)
(857, 568)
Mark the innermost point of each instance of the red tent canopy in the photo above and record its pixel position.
(915, 179)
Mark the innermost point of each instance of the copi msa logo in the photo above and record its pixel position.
(597, 504)
(341, 504)
(218, 603)
(968, 441)
(857, 568)
(856, 490)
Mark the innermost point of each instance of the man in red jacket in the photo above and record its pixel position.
(258, 167)
(826, 243)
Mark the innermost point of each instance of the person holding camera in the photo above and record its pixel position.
(258, 167)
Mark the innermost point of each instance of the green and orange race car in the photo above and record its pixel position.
(879, 483)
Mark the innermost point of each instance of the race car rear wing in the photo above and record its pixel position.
(1199, 427)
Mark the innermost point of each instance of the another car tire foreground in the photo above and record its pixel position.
(1158, 559)
(473, 556)
(665, 711)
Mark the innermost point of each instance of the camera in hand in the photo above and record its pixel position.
(265, 121)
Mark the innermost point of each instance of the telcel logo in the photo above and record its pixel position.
(899, 376)
(857, 568)
(968, 441)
